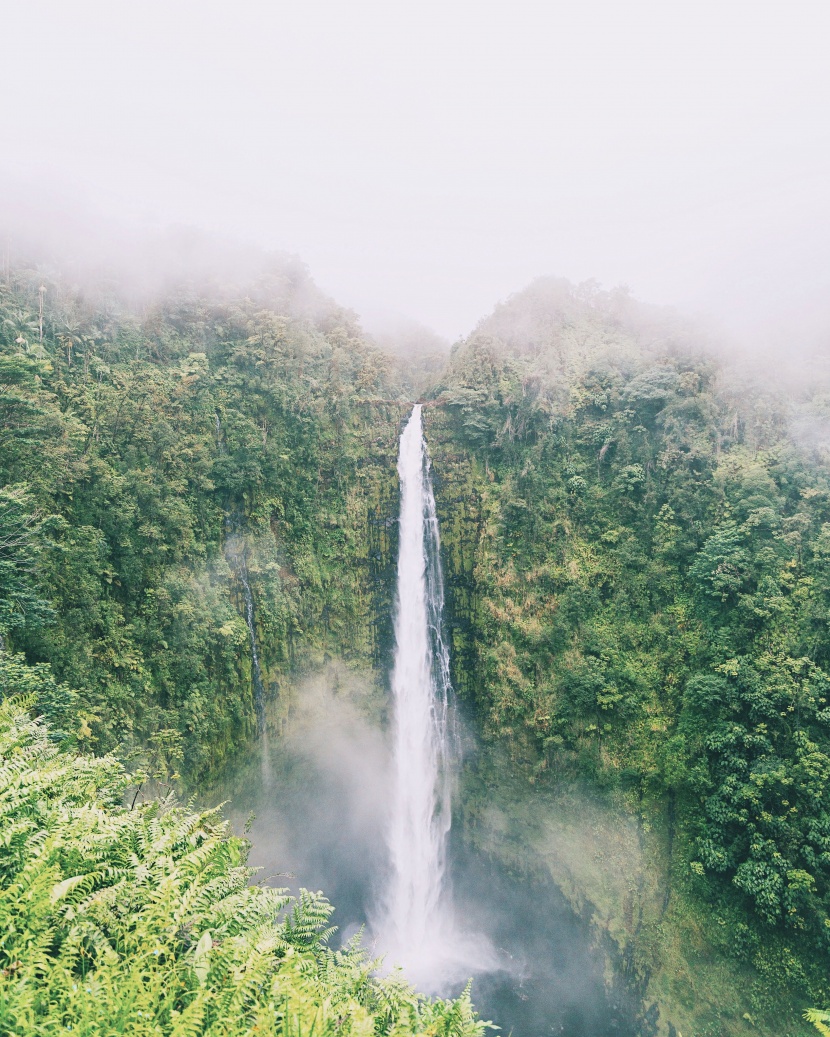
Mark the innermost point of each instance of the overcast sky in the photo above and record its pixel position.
(431, 158)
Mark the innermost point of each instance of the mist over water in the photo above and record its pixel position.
(322, 821)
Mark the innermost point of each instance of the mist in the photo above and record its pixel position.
(329, 768)
(315, 805)
(417, 167)
(428, 160)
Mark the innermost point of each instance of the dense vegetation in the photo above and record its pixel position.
(140, 919)
(158, 462)
(637, 541)
(648, 597)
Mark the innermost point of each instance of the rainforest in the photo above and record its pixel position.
(199, 547)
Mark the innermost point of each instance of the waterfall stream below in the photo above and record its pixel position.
(236, 554)
(321, 822)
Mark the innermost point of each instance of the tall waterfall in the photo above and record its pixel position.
(416, 912)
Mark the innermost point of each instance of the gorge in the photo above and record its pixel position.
(633, 551)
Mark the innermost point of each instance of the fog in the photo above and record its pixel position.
(315, 804)
(426, 160)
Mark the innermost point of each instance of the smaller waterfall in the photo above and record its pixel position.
(256, 669)
(220, 447)
(235, 552)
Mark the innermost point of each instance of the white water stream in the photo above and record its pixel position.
(417, 928)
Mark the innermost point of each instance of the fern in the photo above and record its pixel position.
(114, 920)
(821, 1020)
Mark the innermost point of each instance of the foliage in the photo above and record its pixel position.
(642, 598)
(821, 1020)
(146, 455)
(141, 920)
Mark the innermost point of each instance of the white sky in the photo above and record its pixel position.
(430, 158)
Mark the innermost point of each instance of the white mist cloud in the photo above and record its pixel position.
(430, 158)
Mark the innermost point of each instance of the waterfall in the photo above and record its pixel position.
(256, 669)
(416, 909)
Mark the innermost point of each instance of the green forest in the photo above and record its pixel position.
(635, 529)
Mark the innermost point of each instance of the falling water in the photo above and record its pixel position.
(256, 669)
(417, 915)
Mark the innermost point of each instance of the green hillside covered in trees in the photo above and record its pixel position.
(146, 456)
(636, 538)
(642, 602)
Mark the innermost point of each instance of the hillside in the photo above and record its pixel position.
(636, 537)
(198, 499)
(160, 463)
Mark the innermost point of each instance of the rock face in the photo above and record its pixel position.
(457, 480)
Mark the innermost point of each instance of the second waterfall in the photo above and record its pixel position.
(416, 919)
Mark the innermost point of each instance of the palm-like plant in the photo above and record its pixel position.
(821, 1020)
(18, 325)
